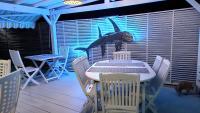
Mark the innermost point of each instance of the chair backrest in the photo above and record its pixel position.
(122, 55)
(9, 86)
(120, 92)
(64, 51)
(157, 63)
(16, 59)
(161, 77)
(5, 67)
(80, 65)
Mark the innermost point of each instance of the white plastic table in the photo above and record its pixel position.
(45, 58)
(126, 66)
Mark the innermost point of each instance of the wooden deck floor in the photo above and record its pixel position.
(59, 96)
(65, 96)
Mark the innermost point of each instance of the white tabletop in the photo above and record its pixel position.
(127, 66)
(43, 57)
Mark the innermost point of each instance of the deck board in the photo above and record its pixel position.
(58, 96)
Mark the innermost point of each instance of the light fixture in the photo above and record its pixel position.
(73, 2)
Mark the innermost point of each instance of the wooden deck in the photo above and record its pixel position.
(58, 96)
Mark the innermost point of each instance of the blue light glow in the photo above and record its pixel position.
(87, 31)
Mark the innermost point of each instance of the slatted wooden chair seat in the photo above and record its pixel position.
(10, 87)
(5, 67)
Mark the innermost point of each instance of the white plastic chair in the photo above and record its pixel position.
(157, 63)
(122, 55)
(10, 87)
(5, 67)
(156, 84)
(30, 72)
(80, 65)
(120, 93)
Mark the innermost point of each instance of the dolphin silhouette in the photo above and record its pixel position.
(118, 37)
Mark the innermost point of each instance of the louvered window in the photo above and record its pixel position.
(172, 34)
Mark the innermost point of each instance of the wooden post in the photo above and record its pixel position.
(52, 23)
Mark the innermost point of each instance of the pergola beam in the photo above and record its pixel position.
(40, 3)
(55, 5)
(106, 5)
(60, 5)
(106, 1)
(13, 15)
(47, 19)
(23, 9)
(194, 4)
(51, 20)
(85, 2)
(20, 1)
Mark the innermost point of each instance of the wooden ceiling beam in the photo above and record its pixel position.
(67, 6)
(56, 5)
(107, 5)
(194, 4)
(40, 3)
(20, 1)
(13, 15)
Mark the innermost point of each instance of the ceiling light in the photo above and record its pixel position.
(73, 2)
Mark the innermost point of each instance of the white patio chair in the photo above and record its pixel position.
(156, 84)
(64, 51)
(157, 63)
(5, 67)
(30, 72)
(61, 64)
(120, 93)
(10, 87)
(80, 65)
(122, 55)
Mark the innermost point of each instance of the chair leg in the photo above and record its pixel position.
(30, 78)
(96, 99)
(63, 69)
(26, 83)
(41, 73)
(151, 106)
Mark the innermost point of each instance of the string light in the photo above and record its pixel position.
(73, 2)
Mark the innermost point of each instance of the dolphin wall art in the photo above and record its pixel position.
(117, 37)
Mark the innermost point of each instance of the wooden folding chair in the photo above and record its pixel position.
(156, 84)
(10, 87)
(30, 72)
(5, 67)
(120, 93)
(80, 65)
(122, 55)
